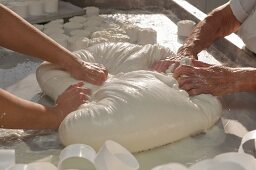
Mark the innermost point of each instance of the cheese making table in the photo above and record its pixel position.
(17, 75)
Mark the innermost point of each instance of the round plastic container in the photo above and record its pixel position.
(77, 156)
(20, 8)
(70, 26)
(53, 25)
(112, 156)
(35, 8)
(92, 11)
(50, 31)
(39, 27)
(79, 19)
(185, 27)
(51, 6)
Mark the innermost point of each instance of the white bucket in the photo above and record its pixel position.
(112, 156)
(92, 11)
(51, 6)
(70, 26)
(35, 8)
(39, 27)
(50, 31)
(20, 8)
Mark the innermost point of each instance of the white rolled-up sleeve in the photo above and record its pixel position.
(242, 8)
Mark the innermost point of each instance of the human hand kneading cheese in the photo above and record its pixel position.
(16, 113)
(217, 80)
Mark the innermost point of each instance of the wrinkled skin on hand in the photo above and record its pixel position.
(204, 78)
(163, 65)
(71, 99)
(90, 72)
(186, 51)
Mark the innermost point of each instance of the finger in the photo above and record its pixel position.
(97, 66)
(174, 66)
(78, 97)
(184, 70)
(96, 69)
(183, 51)
(100, 66)
(92, 74)
(83, 90)
(87, 91)
(188, 83)
(196, 91)
(185, 80)
(93, 68)
(79, 84)
(83, 97)
(105, 72)
(96, 79)
(156, 65)
(79, 100)
(202, 88)
(80, 90)
(197, 63)
(188, 86)
(75, 90)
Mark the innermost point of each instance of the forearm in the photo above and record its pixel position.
(217, 24)
(18, 35)
(245, 79)
(16, 113)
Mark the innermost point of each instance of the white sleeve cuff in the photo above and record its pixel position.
(238, 10)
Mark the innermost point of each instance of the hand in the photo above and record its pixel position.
(205, 78)
(89, 72)
(71, 99)
(186, 51)
(163, 65)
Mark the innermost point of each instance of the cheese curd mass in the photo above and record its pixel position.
(136, 107)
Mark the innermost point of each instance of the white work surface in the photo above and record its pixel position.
(17, 75)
